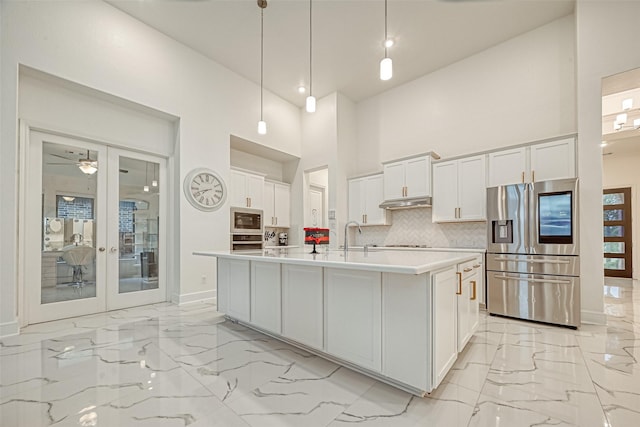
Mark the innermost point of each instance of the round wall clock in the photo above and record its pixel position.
(205, 189)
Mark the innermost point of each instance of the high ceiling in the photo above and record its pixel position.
(347, 36)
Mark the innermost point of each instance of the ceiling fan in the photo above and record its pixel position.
(87, 165)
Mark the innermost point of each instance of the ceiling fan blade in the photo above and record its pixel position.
(62, 157)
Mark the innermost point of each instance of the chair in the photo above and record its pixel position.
(78, 256)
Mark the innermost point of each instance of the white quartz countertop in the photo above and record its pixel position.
(405, 262)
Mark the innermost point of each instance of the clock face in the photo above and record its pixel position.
(205, 190)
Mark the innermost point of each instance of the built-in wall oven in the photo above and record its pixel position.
(533, 266)
(246, 230)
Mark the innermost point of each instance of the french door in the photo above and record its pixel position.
(94, 228)
(616, 204)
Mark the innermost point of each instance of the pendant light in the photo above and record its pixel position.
(262, 125)
(311, 100)
(146, 178)
(154, 183)
(386, 65)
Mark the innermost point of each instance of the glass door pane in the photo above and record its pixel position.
(138, 225)
(69, 198)
(136, 262)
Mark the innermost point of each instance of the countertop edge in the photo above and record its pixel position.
(420, 269)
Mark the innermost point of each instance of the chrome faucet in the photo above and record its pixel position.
(346, 234)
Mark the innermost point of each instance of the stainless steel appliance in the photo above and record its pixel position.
(245, 220)
(246, 230)
(533, 263)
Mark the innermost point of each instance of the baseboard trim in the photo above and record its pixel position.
(194, 297)
(593, 317)
(9, 329)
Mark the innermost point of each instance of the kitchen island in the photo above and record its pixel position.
(396, 316)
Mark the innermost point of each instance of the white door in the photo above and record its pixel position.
(269, 213)
(77, 255)
(374, 195)
(508, 167)
(394, 181)
(553, 160)
(445, 191)
(282, 204)
(316, 213)
(472, 199)
(136, 203)
(417, 177)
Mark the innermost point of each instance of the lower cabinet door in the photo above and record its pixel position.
(354, 316)
(406, 346)
(234, 275)
(444, 326)
(302, 304)
(266, 296)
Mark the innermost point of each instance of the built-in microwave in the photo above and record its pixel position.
(246, 221)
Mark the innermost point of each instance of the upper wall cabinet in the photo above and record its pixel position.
(246, 190)
(459, 188)
(365, 195)
(277, 204)
(539, 162)
(407, 179)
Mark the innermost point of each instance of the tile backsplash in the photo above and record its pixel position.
(414, 227)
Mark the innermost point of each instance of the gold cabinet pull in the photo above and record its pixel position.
(523, 177)
(459, 291)
(473, 292)
(533, 176)
(476, 265)
(468, 269)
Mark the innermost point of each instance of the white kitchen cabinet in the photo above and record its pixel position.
(406, 320)
(234, 288)
(459, 190)
(408, 179)
(553, 160)
(277, 204)
(354, 338)
(537, 162)
(266, 296)
(507, 166)
(444, 327)
(365, 196)
(246, 190)
(303, 305)
(467, 302)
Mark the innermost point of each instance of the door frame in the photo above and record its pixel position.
(25, 167)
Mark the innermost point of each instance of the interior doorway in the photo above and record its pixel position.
(316, 200)
(94, 228)
(620, 173)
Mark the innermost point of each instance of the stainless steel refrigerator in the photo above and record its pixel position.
(533, 263)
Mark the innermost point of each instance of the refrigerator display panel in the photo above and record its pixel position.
(555, 219)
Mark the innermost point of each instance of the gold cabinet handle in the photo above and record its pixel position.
(459, 291)
(276, 220)
(366, 218)
(476, 265)
(473, 292)
(468, 269)
(533, 176)
(523, 177)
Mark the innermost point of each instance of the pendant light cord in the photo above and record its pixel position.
(385, 29)
(310, 50)
(261, 56)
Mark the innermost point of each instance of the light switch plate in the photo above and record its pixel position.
(332, 214)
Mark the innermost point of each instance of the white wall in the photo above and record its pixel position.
(96, 45)
(269, 168)
(621, 170)
(519, 91)
(607, 35)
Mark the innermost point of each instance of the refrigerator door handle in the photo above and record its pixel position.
(527, 279)
(535, 261)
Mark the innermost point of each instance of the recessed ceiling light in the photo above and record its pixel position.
(388, 43)
(302, 89)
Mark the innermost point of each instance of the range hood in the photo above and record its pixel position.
(417, 202)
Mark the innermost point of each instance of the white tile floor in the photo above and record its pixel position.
(164, 365)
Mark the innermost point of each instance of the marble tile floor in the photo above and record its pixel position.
(164, 365)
